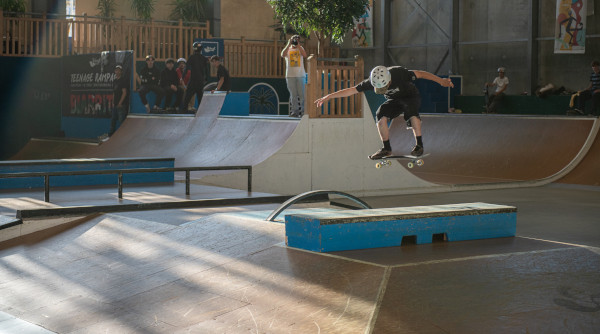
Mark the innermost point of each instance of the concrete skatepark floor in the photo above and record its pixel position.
(225, 271)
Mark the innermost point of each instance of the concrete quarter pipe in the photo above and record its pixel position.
(292, 156)
(473, 149)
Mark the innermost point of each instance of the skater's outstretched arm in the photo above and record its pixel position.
(340, 93)
(446, 82)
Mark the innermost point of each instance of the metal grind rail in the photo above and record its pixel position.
(120, 172)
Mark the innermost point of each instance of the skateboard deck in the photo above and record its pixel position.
(413, 160)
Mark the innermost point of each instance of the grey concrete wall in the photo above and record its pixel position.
(491, 34)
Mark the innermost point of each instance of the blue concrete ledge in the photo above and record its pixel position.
(360, 229)
(65, 165)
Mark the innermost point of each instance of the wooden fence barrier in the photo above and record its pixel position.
(37, 35)
(261, 59)
(327, 75)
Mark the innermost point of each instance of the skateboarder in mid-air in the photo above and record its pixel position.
(402, 97)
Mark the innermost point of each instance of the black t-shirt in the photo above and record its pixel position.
(223, 73)
(118, 85)
(401, 86)
(197, 64)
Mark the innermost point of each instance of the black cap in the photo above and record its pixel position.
(150, 57)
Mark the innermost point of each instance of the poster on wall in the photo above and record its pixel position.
(571, 26)
(362, 33)
(88, 83)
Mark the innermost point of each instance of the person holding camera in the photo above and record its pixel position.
(295, 74)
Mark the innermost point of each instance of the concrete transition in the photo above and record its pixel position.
(472, 149)
(292, 156)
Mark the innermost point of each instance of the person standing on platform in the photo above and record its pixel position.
(120, 99)
(183, 74)
(295, 74)
(222, 75)
(197, 65)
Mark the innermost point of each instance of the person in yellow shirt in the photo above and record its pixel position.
(295, 74)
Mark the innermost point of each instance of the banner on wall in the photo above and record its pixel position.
(88, 83)
(571, 26)
(212, 46)
(362, 34)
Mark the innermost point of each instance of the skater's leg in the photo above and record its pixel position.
(386, 112)
(413, 121)
(384, 130)
(416, 126)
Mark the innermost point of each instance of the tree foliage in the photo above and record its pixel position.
(325, 18)
(189, 10)
(13, 5)
(106, 8)
(143, 8)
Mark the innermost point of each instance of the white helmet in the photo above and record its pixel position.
(380, 78)
(181, 60)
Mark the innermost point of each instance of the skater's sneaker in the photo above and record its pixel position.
(417, 151)
(380, 154)
(147, 108)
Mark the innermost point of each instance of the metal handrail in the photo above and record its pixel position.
(120, 173)
(307, 194)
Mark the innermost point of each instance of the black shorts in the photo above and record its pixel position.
(393, 108)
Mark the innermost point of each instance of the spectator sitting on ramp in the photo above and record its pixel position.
(501, 84)
(169, 81)
(402, 97)
(149, 79)
(592, 91)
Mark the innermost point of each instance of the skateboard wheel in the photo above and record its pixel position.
(420, 162)
(378, 165)
(410, 165)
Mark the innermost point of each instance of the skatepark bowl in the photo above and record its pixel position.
(227, 269)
